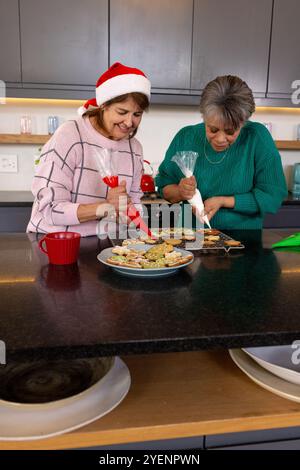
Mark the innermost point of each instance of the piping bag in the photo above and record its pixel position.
(132, 212)
(186, 162)
(291, 241)
(107, 167)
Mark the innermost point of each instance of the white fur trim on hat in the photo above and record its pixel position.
(87, 106)
(83, 109)
(122, 84)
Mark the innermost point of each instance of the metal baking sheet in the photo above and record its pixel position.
(196, 245)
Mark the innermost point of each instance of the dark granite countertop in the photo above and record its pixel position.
(246, 298)
(25, 199)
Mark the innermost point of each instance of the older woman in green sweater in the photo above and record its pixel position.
(238, 170)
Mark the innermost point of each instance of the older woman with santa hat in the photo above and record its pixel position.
(69, 192)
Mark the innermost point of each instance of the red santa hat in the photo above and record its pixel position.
(116, 81)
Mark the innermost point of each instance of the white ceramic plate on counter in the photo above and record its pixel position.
(278, 360)
(140, 272)
(20, 423)
(263, 377)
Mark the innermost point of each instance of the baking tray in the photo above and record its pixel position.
(197, 245)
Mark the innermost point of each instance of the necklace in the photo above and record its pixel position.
(211, 161)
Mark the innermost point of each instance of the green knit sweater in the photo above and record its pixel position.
(251, 171)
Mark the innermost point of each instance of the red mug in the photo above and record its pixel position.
(61, 247)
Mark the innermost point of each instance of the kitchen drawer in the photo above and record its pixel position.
(263, 439)
(181, 444)
(275, 445)
(14, 219)
(288, 216)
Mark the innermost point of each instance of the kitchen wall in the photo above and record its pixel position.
(158, 127)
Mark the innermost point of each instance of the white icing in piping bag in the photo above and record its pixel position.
(197, 201)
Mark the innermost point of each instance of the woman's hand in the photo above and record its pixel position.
(213, 204)
(118, 198)
(187, 188)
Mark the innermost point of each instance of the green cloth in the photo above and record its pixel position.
(291, 241)
(251, 171)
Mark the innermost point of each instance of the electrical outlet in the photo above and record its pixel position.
(8, 163)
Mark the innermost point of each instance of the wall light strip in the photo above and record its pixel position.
(33, 101)
(291, 271)
(65, 102)
(15, 280)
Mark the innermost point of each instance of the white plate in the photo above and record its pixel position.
(98, 366)
(278, 360)
(264, 378)
(139, 272)
(23, 423)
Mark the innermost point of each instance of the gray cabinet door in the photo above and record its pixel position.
(285, 55)
(155, 36)
(231, 38)
(64, 41)
(10, 70)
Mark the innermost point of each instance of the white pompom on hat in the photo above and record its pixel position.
(116, 81)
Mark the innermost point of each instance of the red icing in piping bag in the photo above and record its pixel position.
(111, 181)
(132, 212)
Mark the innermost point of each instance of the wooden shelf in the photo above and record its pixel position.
(23, 139)
(42, 139)
(179, 395)
(288, 144)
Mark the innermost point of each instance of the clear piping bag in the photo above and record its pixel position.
(186, 162)
(106, 161)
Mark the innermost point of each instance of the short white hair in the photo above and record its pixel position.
(229, 99)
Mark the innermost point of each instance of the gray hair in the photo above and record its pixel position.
(229, 98)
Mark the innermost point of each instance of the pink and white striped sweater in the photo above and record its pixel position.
(67, 176)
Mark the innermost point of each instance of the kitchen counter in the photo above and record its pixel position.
(246, 298)
(291, 200)
(16, 198)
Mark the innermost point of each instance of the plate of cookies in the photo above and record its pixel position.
(146, 260)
